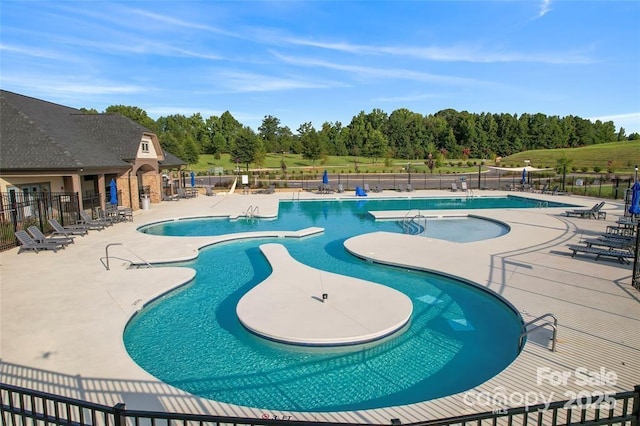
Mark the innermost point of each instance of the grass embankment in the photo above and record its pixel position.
(615, 157)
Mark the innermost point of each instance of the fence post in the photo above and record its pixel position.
(118, 414)
(636, 406)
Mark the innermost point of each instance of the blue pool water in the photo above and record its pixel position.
(351, 217)
(459, 335)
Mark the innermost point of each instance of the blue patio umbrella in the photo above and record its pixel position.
(634, 208)
(524, 175)
(325, 178)
(114, 192)
(193, 179)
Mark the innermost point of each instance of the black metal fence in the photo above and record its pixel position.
(19, 210)
(24, 407)
(580, 184)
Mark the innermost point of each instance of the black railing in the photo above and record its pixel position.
(19, 210)
(24, 407)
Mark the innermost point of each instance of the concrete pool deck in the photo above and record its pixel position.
(63, 314)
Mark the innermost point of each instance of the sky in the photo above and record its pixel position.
(326, 61)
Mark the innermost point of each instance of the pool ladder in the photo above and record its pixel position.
(105, 260)
(410, 223)
(541, 324)
(251, 212)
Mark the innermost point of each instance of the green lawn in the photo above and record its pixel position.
(616, 157)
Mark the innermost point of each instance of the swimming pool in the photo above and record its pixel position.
(193, 340)
(351, 216)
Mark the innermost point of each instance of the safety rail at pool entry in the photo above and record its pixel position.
(105, 260)
(537, 324)
(25, 407)
(251, 212)
(411, 223)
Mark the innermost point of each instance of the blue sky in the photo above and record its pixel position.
(327, 60)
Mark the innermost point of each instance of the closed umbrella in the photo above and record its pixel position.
(114, 193)
(325, 178)
(193, 179)
(524, 176)
(634, 208)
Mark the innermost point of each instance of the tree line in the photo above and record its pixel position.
(376, 135)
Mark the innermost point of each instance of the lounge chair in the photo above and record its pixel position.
(402, 187)
(184, 193)
(593, 212)
(68, 229)
(173, 197)
(208, 192)
(610, 243)
(463, 186)
(377, 188)
(544, 189)
(454, 187)
(366, 188)
(86, 220)
(340, 188)
(409, 187)
(28, 243)
(39, 237)
(621, 256)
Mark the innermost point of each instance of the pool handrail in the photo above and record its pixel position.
(554, 326)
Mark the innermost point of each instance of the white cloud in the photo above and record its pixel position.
(368, 72)
(251, 82)
(545, 8)
(408, 98)
(630, 121)
(472, 54)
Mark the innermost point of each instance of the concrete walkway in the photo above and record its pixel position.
(63, 314)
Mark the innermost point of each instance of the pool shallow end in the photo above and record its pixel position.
(301, 305)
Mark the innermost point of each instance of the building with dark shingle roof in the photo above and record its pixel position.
(50, 147)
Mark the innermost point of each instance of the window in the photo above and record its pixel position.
(145, 146)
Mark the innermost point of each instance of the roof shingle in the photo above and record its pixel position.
(36, 134)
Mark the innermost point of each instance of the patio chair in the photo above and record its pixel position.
(86, 220)
(409, 187)
(610, 243)
(67, 229)
(208, 192)
(588, 213)
(28, 243)
(463, 186)
(454, 187)
(110, 215)
(622, 256)
(377, 188)
(366, 187)
(181, 193)
(39, 237)
(340, 188)
(402, 187)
